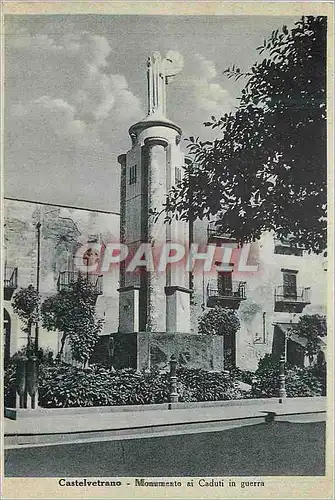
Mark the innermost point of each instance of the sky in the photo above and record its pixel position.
(75, 84)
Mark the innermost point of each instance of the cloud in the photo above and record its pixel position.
(54, 121)
(73, 68)
(205, 68)
(69, 107)
(196, 94)
(67, 117)
(211, 97)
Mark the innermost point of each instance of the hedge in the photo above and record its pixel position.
(62, 385)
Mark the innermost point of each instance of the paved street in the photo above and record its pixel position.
(277, 448)
(236, 439)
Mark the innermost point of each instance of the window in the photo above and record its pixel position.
(133, 174)
(289, 283)
(225, 284)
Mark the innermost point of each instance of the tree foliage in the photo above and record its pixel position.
(267, 170)
(219, 321)
(313, 328)
(25, 304)
(72, 311)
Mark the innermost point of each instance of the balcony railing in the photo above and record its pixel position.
(214, 233)
(67, 278)
(10, 281)
(227, 296)
(291, 299)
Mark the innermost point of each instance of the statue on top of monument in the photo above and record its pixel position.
(159, 71)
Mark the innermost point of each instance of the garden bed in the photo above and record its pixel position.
(65, 386)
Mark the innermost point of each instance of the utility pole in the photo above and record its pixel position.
(39, 225)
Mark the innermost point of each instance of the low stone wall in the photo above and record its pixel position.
(300, 405)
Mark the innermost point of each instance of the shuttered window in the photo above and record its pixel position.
(133, 174)
(225, 284)
(290, 284)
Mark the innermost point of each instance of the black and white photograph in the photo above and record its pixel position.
(166, 251)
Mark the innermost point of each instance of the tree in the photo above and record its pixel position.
(313, 328)
(26, 305)
(224, 322)
(267, 170)
(219, 321)
(72, 312)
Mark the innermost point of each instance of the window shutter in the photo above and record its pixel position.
(290, 284)
(225, 284)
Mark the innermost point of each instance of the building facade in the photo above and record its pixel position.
(41, 243)
(270, 286)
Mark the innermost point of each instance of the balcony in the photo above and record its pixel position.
(67, 278)
(286, 247)
(229, 297)
(10, 282)
(292, 300)
(217, 235)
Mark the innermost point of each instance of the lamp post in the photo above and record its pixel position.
(282, 391)
(173, 380)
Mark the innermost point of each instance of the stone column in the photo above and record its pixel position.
(129, 295)
(122, 161)
(177, 279)
(156, 300)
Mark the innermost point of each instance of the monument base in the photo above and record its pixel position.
(143, 350)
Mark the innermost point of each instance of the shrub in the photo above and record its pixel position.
(245, 376)
(312, 327)
(44, 356)
(62, 385)
(9, 385)
(299, 381)
(302, 382)
(201, 385)
(68, 386)
(219, 321)
(319, 369)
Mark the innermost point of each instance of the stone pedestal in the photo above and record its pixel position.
(144, 350)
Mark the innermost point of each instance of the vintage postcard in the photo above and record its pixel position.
(167, 259)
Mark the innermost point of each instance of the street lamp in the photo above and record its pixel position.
(288, 336)
(282, 390)
(173, 380)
